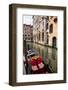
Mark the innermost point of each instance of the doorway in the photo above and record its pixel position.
(54, 41)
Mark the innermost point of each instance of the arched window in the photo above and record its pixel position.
(51, 28)
(55, 20)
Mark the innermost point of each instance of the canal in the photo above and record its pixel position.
(45, 52)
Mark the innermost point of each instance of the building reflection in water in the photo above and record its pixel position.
(46, 52)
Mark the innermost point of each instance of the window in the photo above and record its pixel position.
(28, 35)
(43, 17)
(47, 39)
(39, 35)
(42, 36)
(47, 18)
(28, 38)
(54, 41)
(51, 28)
(55, 20)
(25, 35)
(46, 26)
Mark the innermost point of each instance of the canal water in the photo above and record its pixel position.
(48, 54)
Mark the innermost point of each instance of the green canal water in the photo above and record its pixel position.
(46, 52)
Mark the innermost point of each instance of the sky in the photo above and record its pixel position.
(27, 20)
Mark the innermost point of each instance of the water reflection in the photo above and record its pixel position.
(46, 52)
